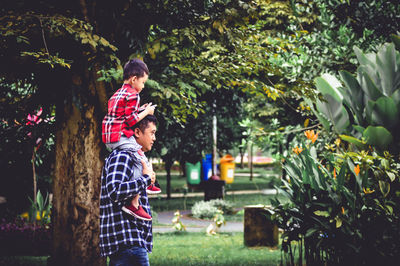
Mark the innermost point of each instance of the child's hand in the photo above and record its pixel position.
(143, 107)
(153, 178)
(146, 169)
(150, 109)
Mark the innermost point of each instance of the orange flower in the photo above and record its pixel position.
(334, 173)
(357, 169)
(297, 150)
(368, 191)
(342, 210)
(310, 134)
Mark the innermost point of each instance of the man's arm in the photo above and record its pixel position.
(119, 185)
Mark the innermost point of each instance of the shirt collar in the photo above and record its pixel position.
(130, 88)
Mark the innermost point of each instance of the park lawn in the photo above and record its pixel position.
(23, 260)
(265, 180)
(189, 249)
(238, 200)
(200, 249)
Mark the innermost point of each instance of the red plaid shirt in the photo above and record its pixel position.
(122, 114)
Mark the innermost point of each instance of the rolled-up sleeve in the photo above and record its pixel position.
(121, 182)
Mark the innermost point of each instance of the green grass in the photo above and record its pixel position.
(23, 260)
(238, 200)
(189, 249)
(266, 180)
(199, 249)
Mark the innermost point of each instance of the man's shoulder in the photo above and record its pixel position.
(126, 153)
(119, 155)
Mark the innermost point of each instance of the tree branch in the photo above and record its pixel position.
(43, 37)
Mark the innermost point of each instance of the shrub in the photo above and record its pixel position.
(208, 209)
(22, 238)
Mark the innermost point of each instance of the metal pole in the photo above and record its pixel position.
(214, 133)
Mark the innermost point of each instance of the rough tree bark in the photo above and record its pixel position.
(76, 187)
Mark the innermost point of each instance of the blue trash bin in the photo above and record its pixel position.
(207, 167)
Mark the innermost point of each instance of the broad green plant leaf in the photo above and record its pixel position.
(329, 85)
(335, 113)
(358, 143)
(353, 95)
(367, 84)
(387, 68)
(378, 136)
(383, 112)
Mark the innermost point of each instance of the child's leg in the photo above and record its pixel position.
(136, 210)
(135, 201)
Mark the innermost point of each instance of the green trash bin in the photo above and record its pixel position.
(193, 173)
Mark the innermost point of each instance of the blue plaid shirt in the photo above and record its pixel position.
(121, 179)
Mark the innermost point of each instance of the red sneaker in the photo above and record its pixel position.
(137, 212)
(152, 189)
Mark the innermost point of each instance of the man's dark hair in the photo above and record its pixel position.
(144, 123)
(135, 67)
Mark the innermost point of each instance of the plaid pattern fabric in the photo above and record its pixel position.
(123, 108)
(121, 179)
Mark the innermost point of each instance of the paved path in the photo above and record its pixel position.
(192, 224)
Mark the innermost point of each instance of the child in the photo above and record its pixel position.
(123, 113)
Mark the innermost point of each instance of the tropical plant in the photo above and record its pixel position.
(39, 211)
(338, 211)
(366, 106)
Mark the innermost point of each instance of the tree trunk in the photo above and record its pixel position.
(241, 151)
(76, 186)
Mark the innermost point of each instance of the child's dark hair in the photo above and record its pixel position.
(144, 123)
(135, 67)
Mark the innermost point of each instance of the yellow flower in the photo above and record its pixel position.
(297, 150)
(357, 169)
(329, 147)
(368, 191)
(337, 142)
(310, 134)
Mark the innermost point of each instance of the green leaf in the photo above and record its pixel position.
(341, 176)
(353, 95)
(383, 112)
(321, 213)
(379, 137)
(367, 83)
(387, 68)
(396, 41)
(358, 143)
(311, 232)
(391, 176)
(338, 222)
(384, 187)
(335, 113)
(328, 85)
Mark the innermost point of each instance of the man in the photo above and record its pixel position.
(126, 173)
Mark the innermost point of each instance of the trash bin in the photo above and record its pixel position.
(193, 173)
(227, 167)
(207, 167)
(213, 189)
